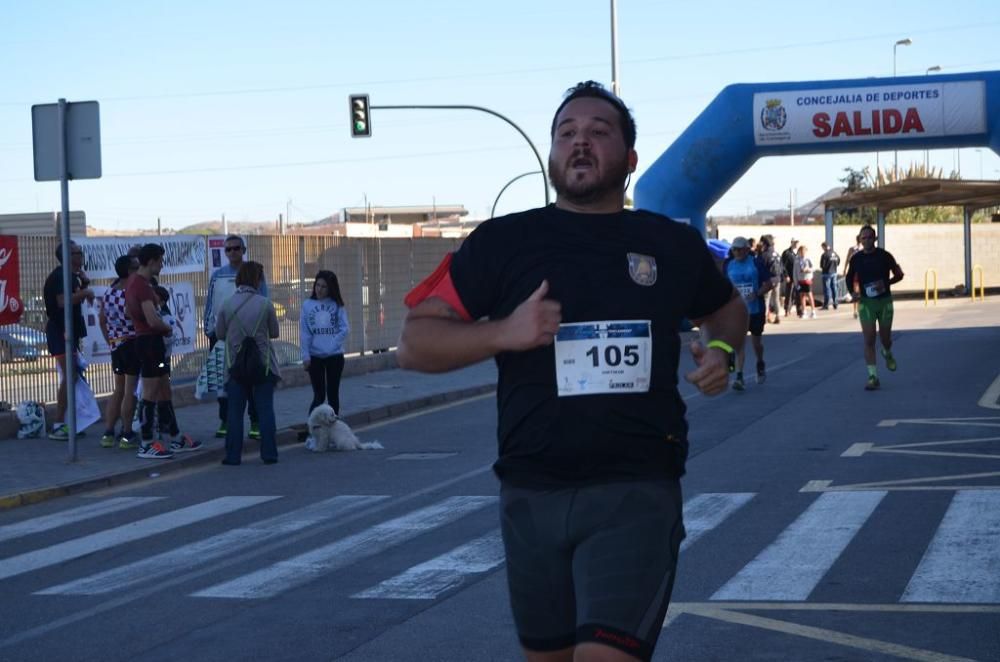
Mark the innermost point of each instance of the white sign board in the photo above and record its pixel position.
(857, 114)
(83, 141)
(181, 304)
(184, 254)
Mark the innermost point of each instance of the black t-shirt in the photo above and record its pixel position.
(872, 271)
(594, 264)
(52, 289)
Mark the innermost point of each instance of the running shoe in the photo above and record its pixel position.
(738, 384)
(890, 360)
(221, 432)
(872, 384)
(128, 442)
(761, 372)
(254, 431)
(154, 451)
(184, 444)
(108, 440)
(59, 432)
(812, 315)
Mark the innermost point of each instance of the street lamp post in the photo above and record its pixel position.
(927, 152)
(895, 153)
(615, 84)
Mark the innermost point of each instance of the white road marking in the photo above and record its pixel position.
(991, 397)
(816, 486)
(857, 450)
(792, 565)
(962, 562)
(222, 545)
(303, 568)
(119, 535)
(443, 573)
(71, 516)
(707, 511)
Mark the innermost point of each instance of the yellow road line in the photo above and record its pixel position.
(822, 634)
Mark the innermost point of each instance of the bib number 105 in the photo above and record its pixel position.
(614, 355)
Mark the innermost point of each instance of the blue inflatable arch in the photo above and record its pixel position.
(749, 121)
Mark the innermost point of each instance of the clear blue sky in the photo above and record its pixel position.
(239, 107)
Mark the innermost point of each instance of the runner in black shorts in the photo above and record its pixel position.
(141, 303)
(584, 302)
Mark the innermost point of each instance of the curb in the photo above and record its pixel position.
(285, 437)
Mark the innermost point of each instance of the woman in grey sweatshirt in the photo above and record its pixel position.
(322, 331)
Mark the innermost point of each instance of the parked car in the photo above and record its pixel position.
(20, 343)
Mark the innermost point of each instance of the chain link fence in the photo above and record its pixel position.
(374, 276)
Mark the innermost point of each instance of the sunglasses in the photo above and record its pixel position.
(230, 249)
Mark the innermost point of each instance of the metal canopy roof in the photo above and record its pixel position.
(922, 193)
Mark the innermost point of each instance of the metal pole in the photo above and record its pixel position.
(615, 85)
(493, 211)
(69, 335)
(541, 164)
(927, 152)
(895, 153)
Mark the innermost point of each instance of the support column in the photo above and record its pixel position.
(880, 222)
(967, 241)
(828, 220)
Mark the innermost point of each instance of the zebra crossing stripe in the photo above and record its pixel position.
(443, 573)
(150, 526)
(303, 568)
(71, 516)
(792, 565)
(962, 562)
(224, 544)
(707, 511)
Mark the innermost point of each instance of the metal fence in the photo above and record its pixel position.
(374, 276)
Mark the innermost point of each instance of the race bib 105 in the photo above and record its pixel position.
(603, 357)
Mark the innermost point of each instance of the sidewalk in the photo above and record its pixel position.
(33, 470)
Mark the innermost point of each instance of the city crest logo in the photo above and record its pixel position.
(642, 268)
(773, 116)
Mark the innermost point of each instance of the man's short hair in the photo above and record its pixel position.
(236, 237)
(595, 90)
(59, 249)
(122, 266)
(150, 252)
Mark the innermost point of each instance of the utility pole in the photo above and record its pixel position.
(615, 84)
(791, 207)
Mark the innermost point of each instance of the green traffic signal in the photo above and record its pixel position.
(360, 120)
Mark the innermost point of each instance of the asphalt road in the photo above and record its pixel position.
(824, 523)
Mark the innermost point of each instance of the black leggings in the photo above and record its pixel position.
(324, 373)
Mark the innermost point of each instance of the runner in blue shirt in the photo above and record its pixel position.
(752, 280)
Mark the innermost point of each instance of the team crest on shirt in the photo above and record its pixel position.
(642, 268)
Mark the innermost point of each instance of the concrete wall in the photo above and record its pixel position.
(917, 248)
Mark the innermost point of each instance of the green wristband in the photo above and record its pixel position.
(720, 344)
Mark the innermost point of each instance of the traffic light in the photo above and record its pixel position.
(361, 125)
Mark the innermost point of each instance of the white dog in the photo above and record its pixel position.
(31, 416)
(328, 433)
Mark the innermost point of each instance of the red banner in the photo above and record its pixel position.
(10, 281)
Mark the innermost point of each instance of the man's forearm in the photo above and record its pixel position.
(728, 324)
(436, 344)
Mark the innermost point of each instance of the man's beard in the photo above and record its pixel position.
(612, 180)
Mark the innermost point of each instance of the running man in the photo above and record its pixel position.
(752, 280)
(583, 301)
(870, 274)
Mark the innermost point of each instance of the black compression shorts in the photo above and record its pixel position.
(573, 553)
